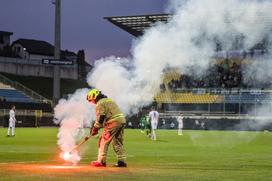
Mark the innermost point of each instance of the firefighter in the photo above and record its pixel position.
(109, 116)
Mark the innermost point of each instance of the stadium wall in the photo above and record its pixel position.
(190, 122)
(24, 67)
(28, 121)
(209, 123)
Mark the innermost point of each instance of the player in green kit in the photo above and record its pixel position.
(147, 126)
(142, 123)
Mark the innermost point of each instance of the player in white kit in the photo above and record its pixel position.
(180, 124)
(154, 116)
(12, 121)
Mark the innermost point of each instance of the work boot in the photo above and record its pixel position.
(120, 164)
(98, 164)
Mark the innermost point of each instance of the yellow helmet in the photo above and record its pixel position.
(92, 95)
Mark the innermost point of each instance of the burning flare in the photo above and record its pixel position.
(69, 157)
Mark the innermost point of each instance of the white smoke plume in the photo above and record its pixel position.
(259, 118)
(73, 114)
(189, 39)
(120, 83)
(258, 73)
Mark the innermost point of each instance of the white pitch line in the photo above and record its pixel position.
(31, 161)
(44, 161)
(13, 151)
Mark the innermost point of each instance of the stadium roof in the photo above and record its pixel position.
(136, 25)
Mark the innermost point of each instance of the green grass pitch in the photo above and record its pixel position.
(197, 155)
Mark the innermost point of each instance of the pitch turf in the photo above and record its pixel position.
(197, 155)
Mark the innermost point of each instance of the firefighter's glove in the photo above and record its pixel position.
(94, 131)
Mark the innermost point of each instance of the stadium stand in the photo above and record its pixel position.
(225, 101)
(4, 86)
(10, 94)
(170, 97)
(16, 90)
(13, 95)
(32, 109)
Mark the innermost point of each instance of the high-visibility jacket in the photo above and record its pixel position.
(110, 110)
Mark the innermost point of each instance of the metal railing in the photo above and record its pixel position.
(34, 95)
(222, 91)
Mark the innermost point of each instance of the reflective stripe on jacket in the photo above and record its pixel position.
(110, 110)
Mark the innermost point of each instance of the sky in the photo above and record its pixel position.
(82, 27)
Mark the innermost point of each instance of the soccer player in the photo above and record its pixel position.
(142, 123)
(154, 116)
(12, 121)
(109, 116)
(180, 124)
